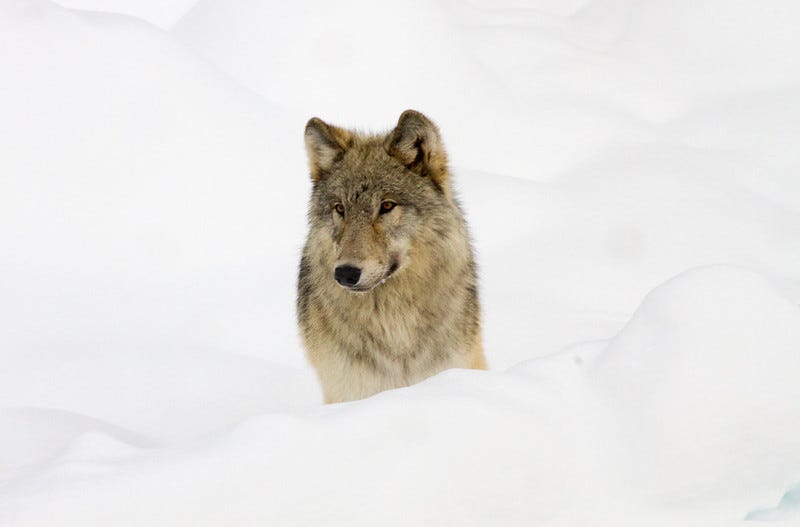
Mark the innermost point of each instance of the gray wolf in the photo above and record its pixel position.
(387, 291)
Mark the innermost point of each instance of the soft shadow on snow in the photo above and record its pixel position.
(787, 509)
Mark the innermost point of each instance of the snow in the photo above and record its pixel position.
(629, 171)
(161, 13)
(787, 509)
(610, 431)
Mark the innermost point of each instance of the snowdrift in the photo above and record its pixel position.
(627, 169)
(688, 416)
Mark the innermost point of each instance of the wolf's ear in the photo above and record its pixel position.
(415, 142)
(325, 145)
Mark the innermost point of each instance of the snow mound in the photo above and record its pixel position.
(138, 203)
(703, 383)
(142, 284)
(35, 434)
(689, 415)
(528, 89)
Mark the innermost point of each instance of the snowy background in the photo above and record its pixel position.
(631, 174)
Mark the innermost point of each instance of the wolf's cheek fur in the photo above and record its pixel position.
(399, 226)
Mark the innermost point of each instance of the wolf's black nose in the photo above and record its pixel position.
(347, 275)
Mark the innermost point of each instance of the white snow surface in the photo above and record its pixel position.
(631, 176)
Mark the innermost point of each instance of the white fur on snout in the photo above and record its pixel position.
(371, 274)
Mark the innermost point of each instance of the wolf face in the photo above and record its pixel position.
(376, 197)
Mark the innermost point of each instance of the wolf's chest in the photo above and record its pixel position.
(409, 342)
(393, 333)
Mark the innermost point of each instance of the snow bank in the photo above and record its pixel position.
(527, 89)
(703, 383)
(136, 216)
(688, 417)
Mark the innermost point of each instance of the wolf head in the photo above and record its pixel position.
(377, 200)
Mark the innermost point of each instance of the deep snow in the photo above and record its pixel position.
(629, 170)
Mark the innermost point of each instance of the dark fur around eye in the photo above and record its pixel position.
(387, 206)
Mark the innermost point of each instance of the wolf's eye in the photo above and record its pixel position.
(387, 206)
(339, 208)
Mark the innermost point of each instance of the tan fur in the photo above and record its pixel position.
(417, 313)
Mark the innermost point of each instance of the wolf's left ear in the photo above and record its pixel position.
(325, 145)
(415, 142)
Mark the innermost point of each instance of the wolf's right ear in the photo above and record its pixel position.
(325, 145)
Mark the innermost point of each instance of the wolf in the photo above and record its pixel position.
(387, 292)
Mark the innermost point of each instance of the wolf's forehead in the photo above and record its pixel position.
(360, 186)
(368, 163)
(367, 174)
